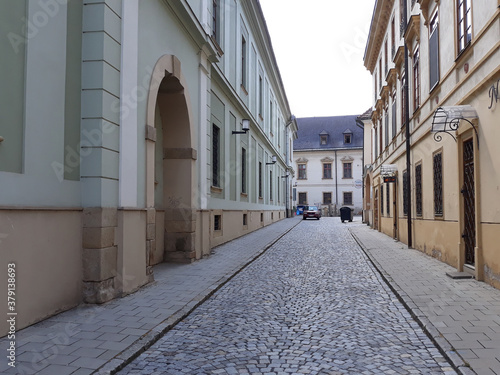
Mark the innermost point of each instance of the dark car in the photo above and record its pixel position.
(311, 211)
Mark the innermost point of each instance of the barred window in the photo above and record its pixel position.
(217, 222)
(438, 184)
(388, 199)
(215, 156)
(302, 198)
(348, 198)
(382, 199)
(405, 193)
(418, 189)
(327, 198)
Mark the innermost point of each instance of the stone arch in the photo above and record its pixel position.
(171, 182)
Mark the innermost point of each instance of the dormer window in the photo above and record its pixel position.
(323, 138)
(347, 136)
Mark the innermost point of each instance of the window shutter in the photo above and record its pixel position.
(434, 58)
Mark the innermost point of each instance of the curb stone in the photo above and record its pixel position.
(431, 331)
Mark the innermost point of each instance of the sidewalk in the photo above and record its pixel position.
(103, 338)
(461, 316)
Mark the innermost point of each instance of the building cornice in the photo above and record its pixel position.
(380, 20)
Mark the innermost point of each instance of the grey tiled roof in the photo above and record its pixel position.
(310, 129)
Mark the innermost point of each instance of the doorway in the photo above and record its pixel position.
(469, 201)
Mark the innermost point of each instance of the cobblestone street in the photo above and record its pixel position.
(312, 304)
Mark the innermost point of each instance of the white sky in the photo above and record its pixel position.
(319, 46)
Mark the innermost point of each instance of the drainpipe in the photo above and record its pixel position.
(361, 125)
(336, 185)
(407, 133)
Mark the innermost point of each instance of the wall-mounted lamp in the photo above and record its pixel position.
(245, 126)
(273, 160)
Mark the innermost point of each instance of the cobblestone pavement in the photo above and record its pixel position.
(312, 304)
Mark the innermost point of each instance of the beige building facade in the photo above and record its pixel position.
(452, 74)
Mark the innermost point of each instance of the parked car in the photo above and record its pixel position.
(311, 211)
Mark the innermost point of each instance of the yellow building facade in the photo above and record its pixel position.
(448, 56)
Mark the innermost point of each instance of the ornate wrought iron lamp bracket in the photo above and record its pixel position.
(447, 120)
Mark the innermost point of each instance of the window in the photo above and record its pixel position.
(302, 198)
(347, 198)
(393, 37)
(302, 172)
(382, 199)
(375, 91)
(243, 171)
(271, 117)
(405, 193)
(386, 60)
(416, 79)
(323, 140)
(261, 97)
(327, 198)
(386, 126)
(216, 21)
(347, 138)
(434, 51)
(394, 122)
(464, 31)
(215, 156)
(388, 199)
(245, 219)
(347, 170)
(217, 222)
(327, 170)
(403, 98)
(260, 179)
(376, 143)
(402, 17)
(278, 188)
(380, 74)
(271, 185)
(438, 184)
(418, 189)
(243, 62)
(261, 217)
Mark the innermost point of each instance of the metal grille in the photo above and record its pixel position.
(468, 192)
(215, 155)
(405, 193)
(418, 189)
(381, 199)
(438, 184)
(388, 199)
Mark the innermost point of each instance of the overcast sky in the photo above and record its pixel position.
(319, 46)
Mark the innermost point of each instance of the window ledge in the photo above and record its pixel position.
(244, 195)
(216, 189)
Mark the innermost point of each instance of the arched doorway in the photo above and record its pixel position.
(170, 167)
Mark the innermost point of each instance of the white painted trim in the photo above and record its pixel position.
(128, 188)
